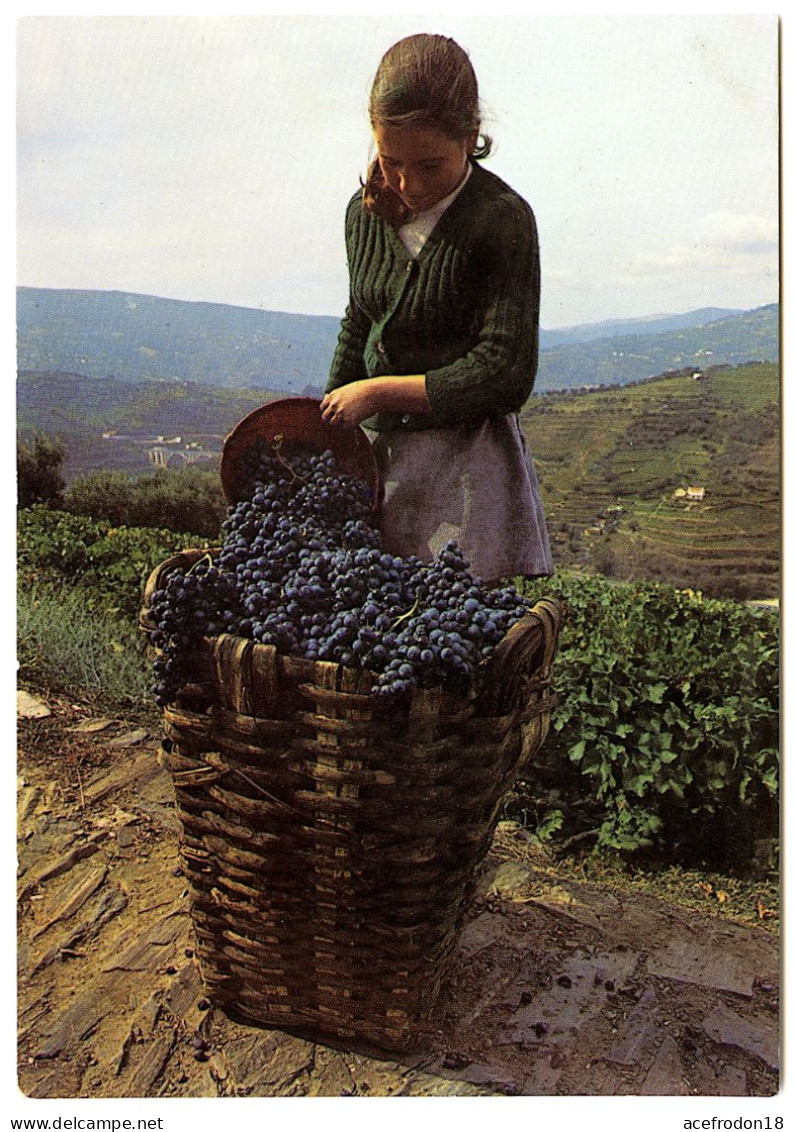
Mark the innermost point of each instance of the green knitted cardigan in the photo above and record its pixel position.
(464, 312)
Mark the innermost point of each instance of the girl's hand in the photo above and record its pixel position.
(353, 403)
(349, 404)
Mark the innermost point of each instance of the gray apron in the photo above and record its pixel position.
(474, 484)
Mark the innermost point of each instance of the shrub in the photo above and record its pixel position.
(666, 731)
(40, 471)
(190, 499)
(111, 564)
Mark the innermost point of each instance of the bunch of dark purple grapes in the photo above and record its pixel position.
(301, 567)
(191, 604)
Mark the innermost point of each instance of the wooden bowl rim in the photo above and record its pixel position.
(349, 443)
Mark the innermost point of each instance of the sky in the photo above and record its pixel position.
(211, 157)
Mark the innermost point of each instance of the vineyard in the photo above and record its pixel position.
(665, 738)
(615, 467)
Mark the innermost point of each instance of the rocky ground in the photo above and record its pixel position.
(562, 986)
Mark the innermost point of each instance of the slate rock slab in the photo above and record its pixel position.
(728, 1028)
(28, 707)
(709, 963)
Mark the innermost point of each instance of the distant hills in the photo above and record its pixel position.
(142, 338)
(622, 359)
(621, 327)
(81, 410)
(111, 334)
(70, 403)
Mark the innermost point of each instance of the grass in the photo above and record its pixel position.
(66, 646)
(751, 901)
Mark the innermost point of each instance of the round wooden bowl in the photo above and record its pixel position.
(298, 422)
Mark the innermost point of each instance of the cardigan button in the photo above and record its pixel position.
(406, 418)
(380, 348)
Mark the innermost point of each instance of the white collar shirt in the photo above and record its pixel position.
(415, 233)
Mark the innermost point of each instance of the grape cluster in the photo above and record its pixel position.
(199, 602)
(301, 567)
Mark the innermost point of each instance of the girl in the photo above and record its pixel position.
(440, 338)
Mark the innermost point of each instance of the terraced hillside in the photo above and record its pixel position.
(619, 469)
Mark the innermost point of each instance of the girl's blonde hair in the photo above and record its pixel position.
(423, 80)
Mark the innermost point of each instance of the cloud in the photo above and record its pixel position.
(726, 241)
(739, 234)
(724, 258)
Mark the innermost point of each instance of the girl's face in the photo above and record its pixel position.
(421, 164)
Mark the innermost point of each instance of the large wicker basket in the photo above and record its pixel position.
(331, 843)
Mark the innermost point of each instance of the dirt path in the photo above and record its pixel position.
(561, 988)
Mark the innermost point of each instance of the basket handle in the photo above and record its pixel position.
(514, 664)
(158, 577)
